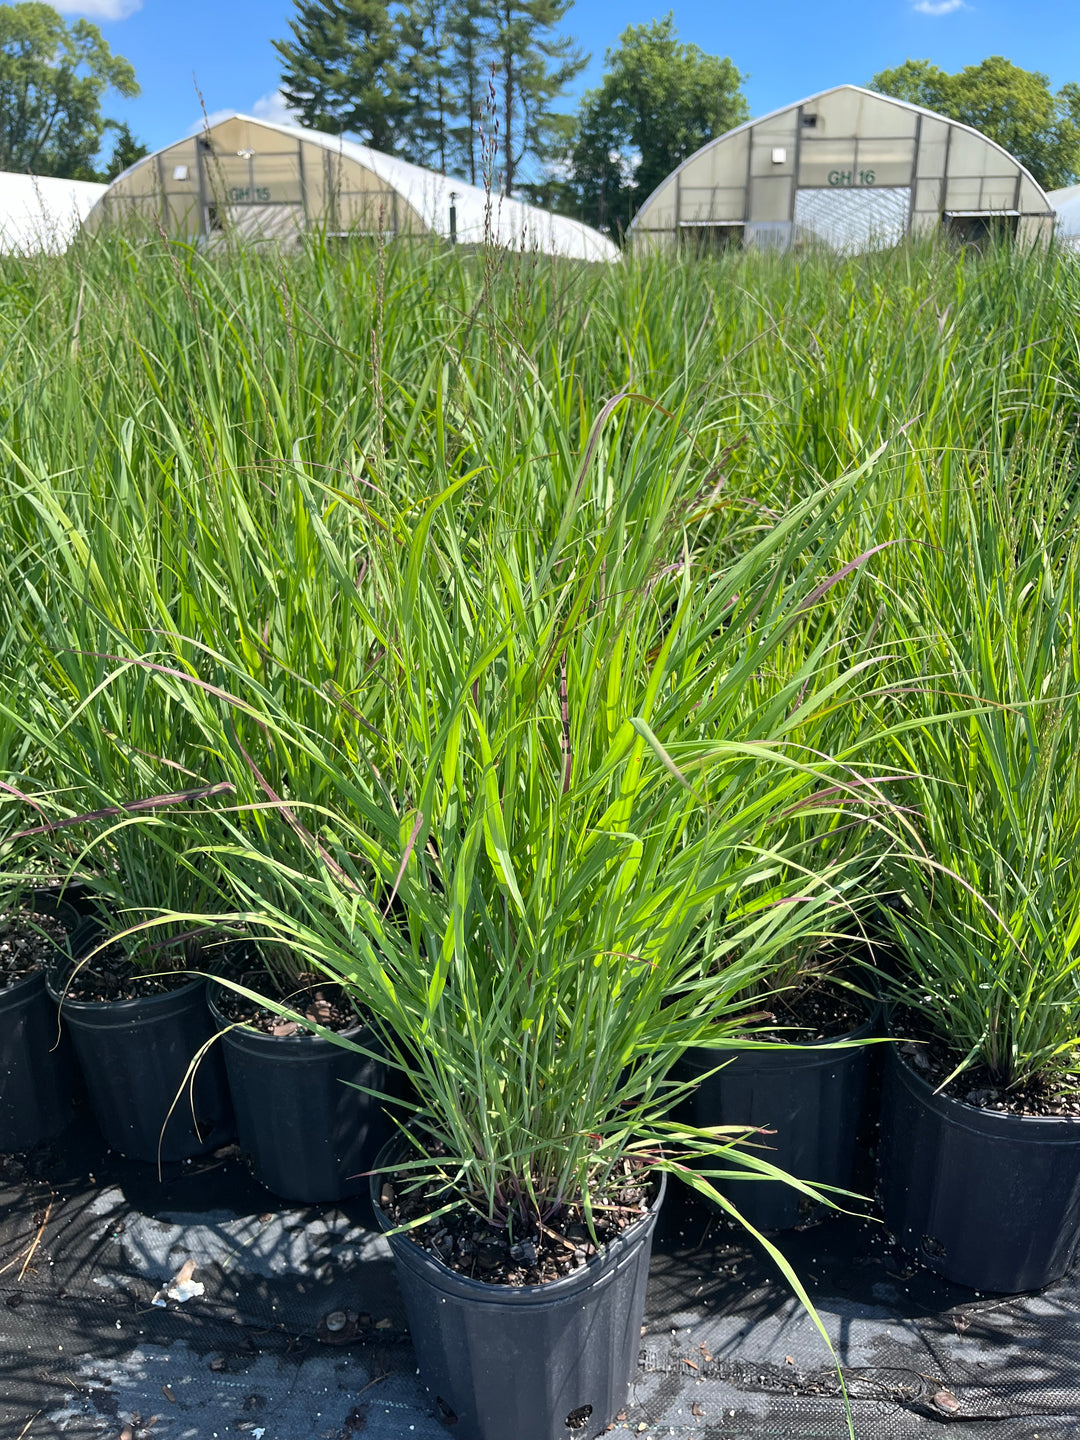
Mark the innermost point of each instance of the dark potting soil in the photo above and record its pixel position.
(536, 1252)
(929, 1056)
(318, 1000)
(108, 975)
(28, 942)
(821, 1012)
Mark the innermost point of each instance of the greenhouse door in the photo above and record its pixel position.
(266, 222)
(709, 238)
(980, 230)
(853, 220)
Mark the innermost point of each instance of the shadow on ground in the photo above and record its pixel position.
(87, 1239)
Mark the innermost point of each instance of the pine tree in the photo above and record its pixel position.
(534, 67)
(423, 27)
(341, 70)
(470, 25)
(412, 77)
(126, 150)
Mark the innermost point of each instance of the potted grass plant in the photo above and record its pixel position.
(980, 1154)
(38, 1076)
(799, 1071)
(309, 1113)
(510, 884)
(133, 999)
(535, 991)
(132, 995)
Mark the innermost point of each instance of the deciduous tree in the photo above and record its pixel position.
(1015, 107)
(659, 101)
(53, 77)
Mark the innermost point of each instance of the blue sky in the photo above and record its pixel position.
(790, 48)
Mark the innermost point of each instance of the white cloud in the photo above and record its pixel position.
(272, 107)
(213, 118)
(939, 7)
(98, 9)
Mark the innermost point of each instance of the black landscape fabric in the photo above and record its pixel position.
(88, 1240)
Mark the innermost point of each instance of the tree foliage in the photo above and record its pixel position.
(534, 67)
(418, 78)
(1015, 107)
(659, 101)
(53, 77)
(425, 82)
(341, 71)
(467, 29)
(126, 150)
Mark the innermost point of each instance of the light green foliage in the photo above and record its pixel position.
(554, 654)
(53, 77)
(1013, 106)
(326, 528)
(517, 896)
(987, 680)
(659, 101)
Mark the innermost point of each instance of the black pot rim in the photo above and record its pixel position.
(795, 1047)
(139, 1003)
(16, 991)
(443, 1276)
(1040, 1128)
(247, 1034)
(44, 902)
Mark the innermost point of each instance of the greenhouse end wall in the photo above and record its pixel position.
(848, 168)
(256, 179)
(259, 182)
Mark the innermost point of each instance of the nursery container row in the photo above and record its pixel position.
(169, 1078)
(990, 1200)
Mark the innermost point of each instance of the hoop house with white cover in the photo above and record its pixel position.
(42, 212)
(1066, 204)
(265, 181)
(849, 169)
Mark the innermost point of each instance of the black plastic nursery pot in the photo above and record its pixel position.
(311, 1134)
(810, 1096)
(135, 1056)
(987, 1199)
(532, 1362)
(38, 1074)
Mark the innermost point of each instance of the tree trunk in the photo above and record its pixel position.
(508, 119)
(472, 118)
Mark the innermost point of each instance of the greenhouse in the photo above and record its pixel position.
(41, 212)
(849, 169)
(1066, 205)
(264, 181)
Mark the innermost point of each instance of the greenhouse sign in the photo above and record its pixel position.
(258, 194)
(851, 177)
